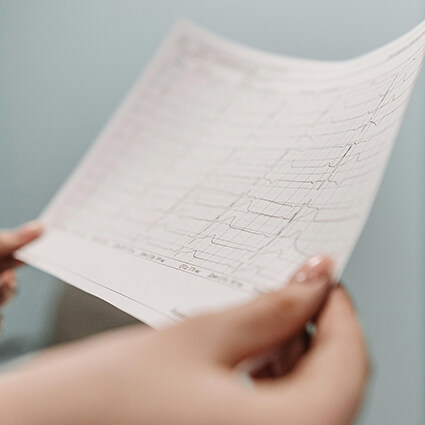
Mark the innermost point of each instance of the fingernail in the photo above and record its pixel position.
(317, 268)
(6, 277)
(8, 281)
(31, 228)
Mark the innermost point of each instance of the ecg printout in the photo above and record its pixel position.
(224, 169)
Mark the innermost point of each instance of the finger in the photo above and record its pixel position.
(284, 359)
(288, 357)
(12, 240)
(7, 286)
(9, 263)
(333, 374)
(276, 317)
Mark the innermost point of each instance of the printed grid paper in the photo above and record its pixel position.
(224, 169)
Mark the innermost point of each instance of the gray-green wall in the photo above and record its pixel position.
(64, 65)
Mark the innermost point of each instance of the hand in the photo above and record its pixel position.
(188, 374)
(10, 241)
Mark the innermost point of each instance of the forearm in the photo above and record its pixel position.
(52, 389)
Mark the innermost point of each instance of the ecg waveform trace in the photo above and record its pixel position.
(235, 165)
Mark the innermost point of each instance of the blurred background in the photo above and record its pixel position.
(64, 66)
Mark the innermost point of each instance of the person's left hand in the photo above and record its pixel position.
(10, 241)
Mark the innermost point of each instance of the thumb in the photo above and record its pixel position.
(273, 318)
(12, 240)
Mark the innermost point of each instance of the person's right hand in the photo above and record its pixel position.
(188, 374)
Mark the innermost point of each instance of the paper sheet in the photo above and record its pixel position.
(224, 169)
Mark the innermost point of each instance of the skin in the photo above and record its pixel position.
(10, 241)
(195, 372)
